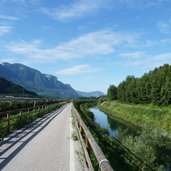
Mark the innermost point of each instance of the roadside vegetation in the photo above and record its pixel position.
(144, 102)
(152, 143)
(18, 104)
(140, 115)
(120, 156)
(19, 120)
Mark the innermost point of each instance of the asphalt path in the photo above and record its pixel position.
(43, 146)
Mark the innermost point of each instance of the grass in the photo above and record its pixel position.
(140, 115)
(112, 150)
(147, 151)
(74, 136)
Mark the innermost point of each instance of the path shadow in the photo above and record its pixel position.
(25, 132)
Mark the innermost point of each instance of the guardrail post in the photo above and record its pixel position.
(8, 123)
(81, 129)
(87, 144)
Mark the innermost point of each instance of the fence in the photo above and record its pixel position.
(6, 119)
(88, 143)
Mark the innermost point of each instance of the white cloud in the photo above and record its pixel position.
(98, 43)
(7, 59)
(164, 26)
(165, 41)
(21, 2)
(76, 9)
(7, 17)
(4, 30)
(82, 8)
(141, 4)
(78, 69)
(133, 55)
(163, 56)
(146, 62)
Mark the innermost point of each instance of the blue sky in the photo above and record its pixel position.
(89, 44)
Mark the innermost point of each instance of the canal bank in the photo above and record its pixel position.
(113, 124)
(139, 115)
(115, 127)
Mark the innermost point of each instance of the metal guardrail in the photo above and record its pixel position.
(90, 142)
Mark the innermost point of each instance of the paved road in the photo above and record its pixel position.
(43, 147)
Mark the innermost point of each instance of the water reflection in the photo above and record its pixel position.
(112, 124)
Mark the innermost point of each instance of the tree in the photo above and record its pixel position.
(153, 87)
(112, 92)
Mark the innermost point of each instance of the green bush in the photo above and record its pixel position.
(150, 146)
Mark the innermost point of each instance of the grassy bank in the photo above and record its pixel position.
(120, 157)
(140, 115)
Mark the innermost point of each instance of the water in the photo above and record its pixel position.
(113, 125)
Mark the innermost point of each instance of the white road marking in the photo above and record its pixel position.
(72, 162)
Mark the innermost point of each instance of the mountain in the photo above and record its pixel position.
(33, 80)
(9, 88)
(91, 94)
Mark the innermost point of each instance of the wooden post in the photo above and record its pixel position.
(87, 144)
(8, 123)
(81, 129)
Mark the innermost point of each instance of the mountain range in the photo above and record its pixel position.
(33, 80)
(9, 88)
(44, 85)
(90, 94)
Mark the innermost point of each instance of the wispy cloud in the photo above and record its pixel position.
(76, 9)
(7, 59)
(98, 43)
(21, 2)
(140, 4)
(8, 17)
(143, 61)
(165, 41)
(4, 30)
(78, 69)
(82, 8)
(164, 26)
(133, 55)
(163, 56)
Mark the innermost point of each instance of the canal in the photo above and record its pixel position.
(114, 125)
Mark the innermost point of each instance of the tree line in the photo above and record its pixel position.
(153, 87)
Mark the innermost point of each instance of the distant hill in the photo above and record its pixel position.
(9, 88)
(33, 80)
(90, 94)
